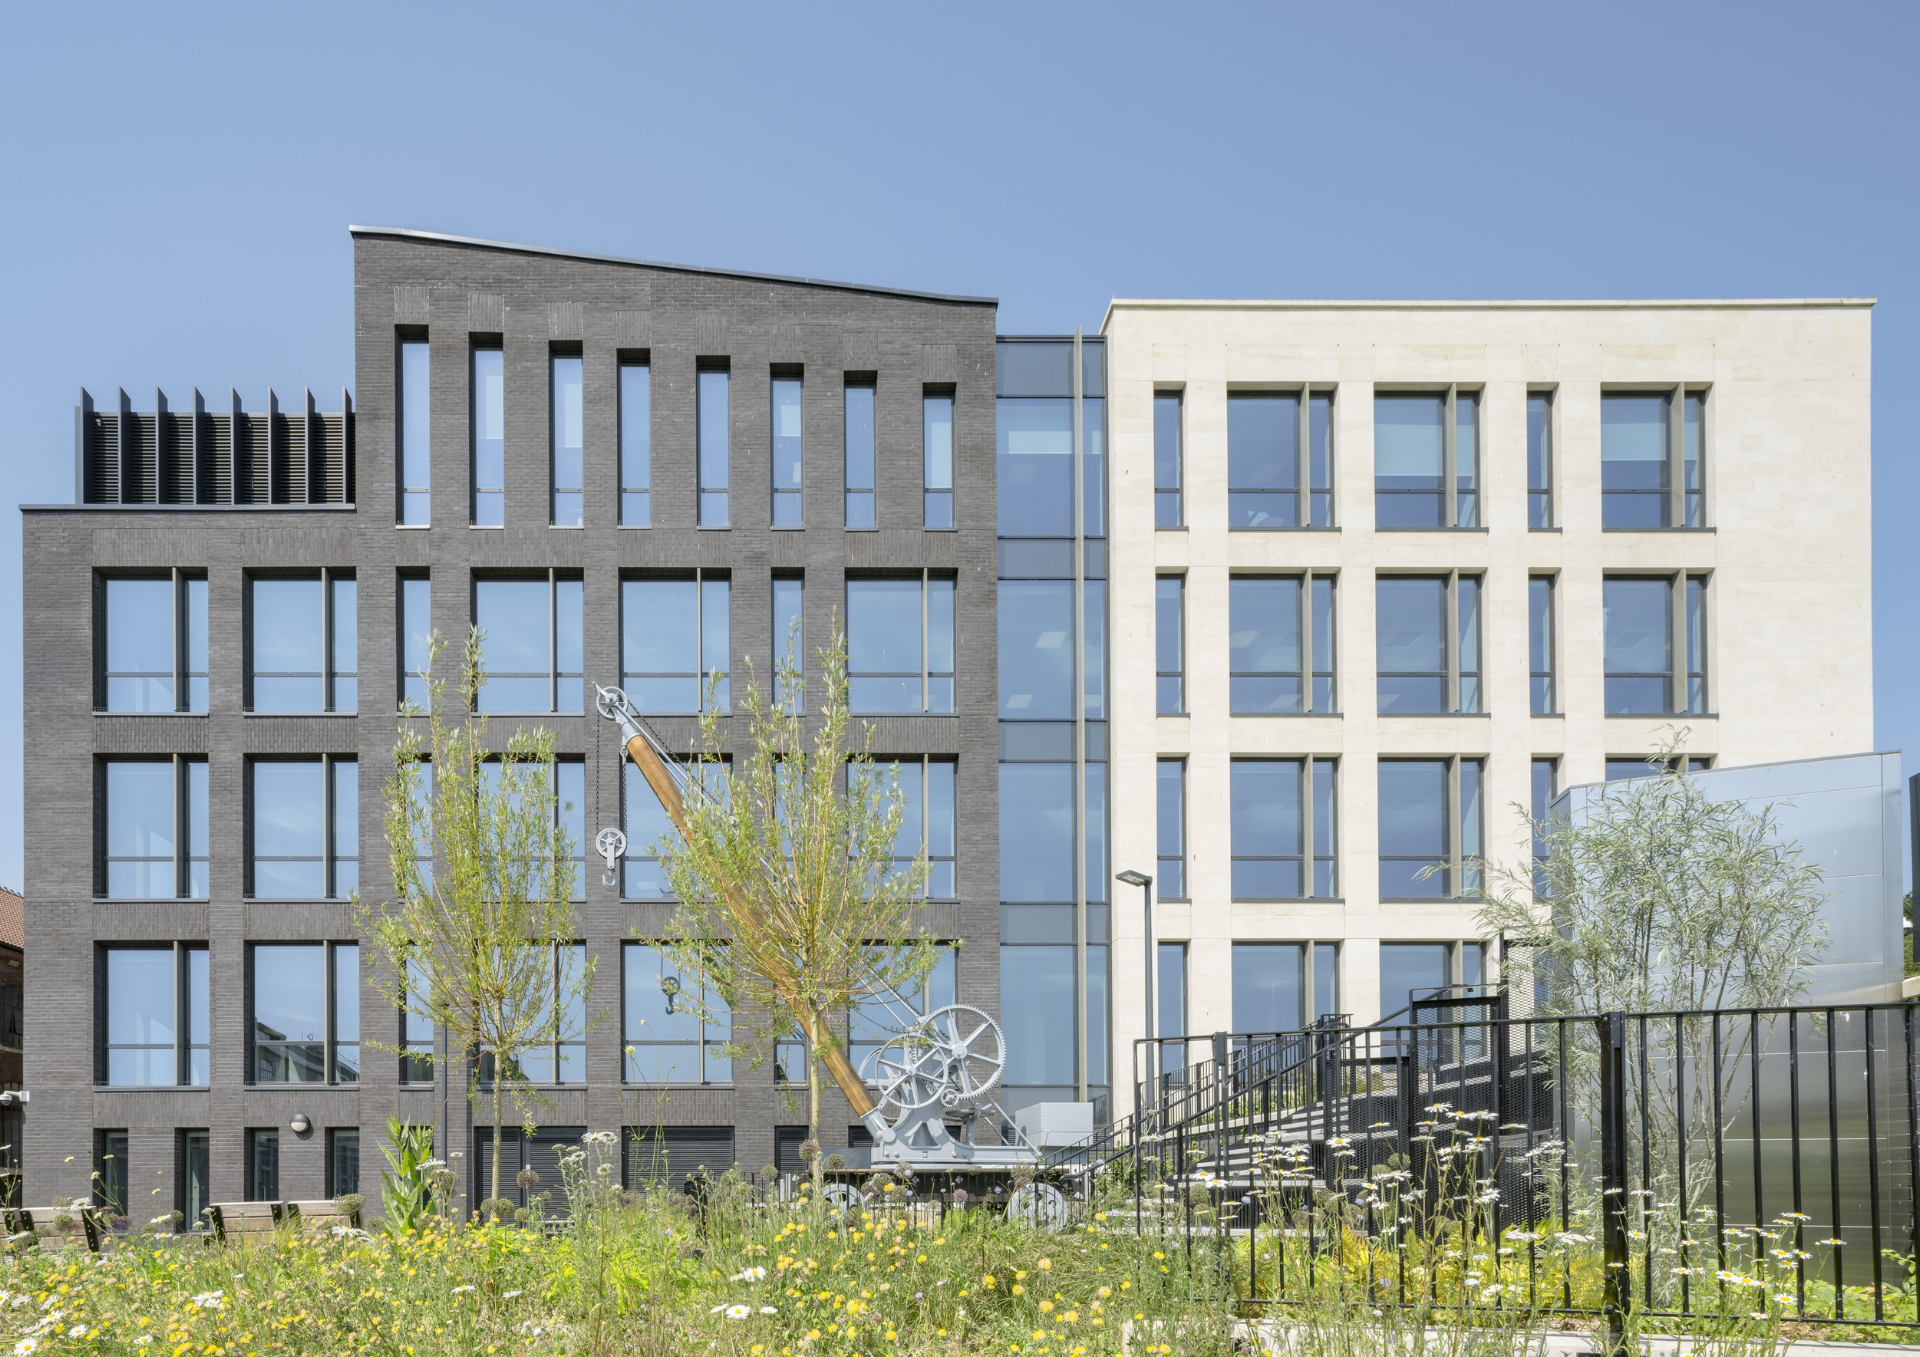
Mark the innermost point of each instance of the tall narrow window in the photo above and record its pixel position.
(1170, 997)
(153, 650)
(1696, 644)
(859, 454)
(1263, 459)
(416, 635)
(304, 1019)
(1280, 644)
(1430, 828)
(569, 441)
(786, 452)
(1169, 644)
(789, 645)
(155, 842)
(927, 818)
(343, 1160)
(1539, 459)
(1170, 788)
(1545, 778)
(1167, 461)
(666, 1041)
(302, 644)
(936, 437)
(303, 829)
(1645, 628)
(636, 444)
(1652, 472)
(489, 438)
(1426, 460)
(1466, 459)
(675, 647)
(415, 428)
(1280, 842)
(712, 436)
(532, 644)
(155, 1004)
(263, 1164)
(416, 1029)
(1693, 460)
(193, 1185)
(1326, 980)
(1320, 460)
(900, 644)
(1540, 643)
(1427, 644)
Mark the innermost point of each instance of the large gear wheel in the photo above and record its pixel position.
(951, 1056)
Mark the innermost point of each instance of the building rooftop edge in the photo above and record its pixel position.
(1486, 304)
(444, 238)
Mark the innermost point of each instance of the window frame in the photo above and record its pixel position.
(1685, 507)
(1689, 643)
(1541, 463)
(556, 677)
(191, 687)
(937, 501)
(925, 762)
(412, 687)
(329, 1019)
(636, 497)
(184, 858)
(866, 490)
(1543, 615)
(1459, 878)
(185, 1044)
(478, 344)
(705, 1045)
(1170, 501)
(330, 642)
(1177, 676)
(1309, 496)
(713, 502)
(927, 578)
(1450, 517)
(1310, 857)
(1163, 873)
(556, 355)
(704, 685)
(553, 1049)
(331, 857)
(1307, 598)
(408, 496)
(780, 376)
(1452, 639)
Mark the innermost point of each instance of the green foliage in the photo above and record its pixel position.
(406, 1183)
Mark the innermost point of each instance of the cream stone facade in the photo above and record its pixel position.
(1786, 549)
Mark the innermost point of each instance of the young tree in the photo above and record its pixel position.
(483, 867)
(793, 905)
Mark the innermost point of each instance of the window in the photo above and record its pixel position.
(1546, 777)
(1170, 998)
(1279, 460)
(263, 1165)
(936, 438)
(1038, 988)
(859, 453)
(1429, 818)
(304, 1013)
(713, 435)
(1037, 802)
(416, 1030)
(416, 635)
(489, 438)
(1622, 769)
(1280, 632)
(1279, 807)
(154, 1007)
(1034, 455)
(1170, 793)
(1539, 459)
(1652, 474)
(927, 818)
(1645, 626)
(900, 644)
(304, 828)
(664, 1037)
(568, 468)
(1169, 644)
(789, 648)
(155, 844)
(1426, 459)
(646, 824)
(302, 643)
(786, 452)
(155, 654)
(1036, 627)
(1276, 985)
(1427, 644)
(1410, 970)
(110, 1170)
(1167, 461)
(675, 641)
(567, 781)
(414, 425)
(871, 1024)
(193, 1177)
(636, 443)
(343, 1160)
(559, 1055)
(533, 649)
(1540, 644)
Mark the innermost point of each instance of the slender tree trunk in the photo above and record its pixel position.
(493, 1193)
(819, 1165)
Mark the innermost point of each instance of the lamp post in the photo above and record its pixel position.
(1145, 883)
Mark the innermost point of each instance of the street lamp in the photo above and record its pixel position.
(1145, 883)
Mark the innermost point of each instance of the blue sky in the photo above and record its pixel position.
(178, 182)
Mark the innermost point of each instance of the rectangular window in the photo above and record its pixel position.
(568, 468)
(154, 1016)
(414, 425)
(1269, 986)
(533, 647)
(1170, 998)
(859, 454)
(1033, 459)
(155, 844)
(193, 1177)
(1037, 803)
(1632, 766)
(675, 641)
(1169, 644)
(636, 444)
(416, 1029)
(1280, 646)
(900, 644)
(927, 818)
(489, 438)
(1263, 459)
(1541, 644)
(663, 1034)
(1170, 793)
(110, 1170)
(558, 1055)
(713, 441)
(343, 1160)
(303, 828)
(416, 634)
(1168, 463)
(154, 652)
(1645, 627)
(1412, 970)
(1546, 777)
(1427, 644)
(302, 643)
(1040, 1003)
(646, 824)
(936, 439)
(789, 645)
(263, 1165)
(1430, 828)
(786, 452)
(1426, 459)
(566, 782)
(871, 1024)
(1539, 459)
(1036, 628)
(1652, 471)
(304, 1013)
(1279, 808)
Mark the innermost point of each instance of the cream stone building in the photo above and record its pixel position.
(1638, 517)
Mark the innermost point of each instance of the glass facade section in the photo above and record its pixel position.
(533, 647)
(936, 441)
(900, 644)
(1280, 644)
(1269, 986)
(713, 440)
(154, 650)
(1170, 998)
(302, 643)
(1170, 801)
(872, 1024)
(927, 822)
(303, 822)
(1430, 828)
(1263, 460)
(1168, 463)
(155, 1003)
(1409, 970)
(1635, 473)
(1278, 807)
(1541, 644)
(155, 841)
(489, 438)
(636, 445)
(1169, 644)
(1409, 456)
(859, 455)
(1539, 460)
(789, 642)
(305, 1013)
(414, 425)
(416, 635)
(664, 1036)
(1427, 644)
(786, 452)
(568, 440)
(559, 1056)
(675, 642)
(1637, 624)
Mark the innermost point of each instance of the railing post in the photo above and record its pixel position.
(1613, 1175)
